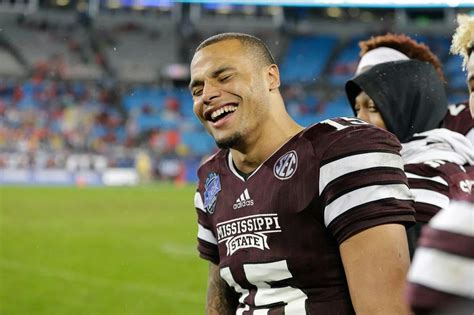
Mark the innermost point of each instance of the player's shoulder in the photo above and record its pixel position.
(458, 118)
(456, 109)
(437, 168)
(340, 127)
(350, 133)
(213, 163)
(458, 112)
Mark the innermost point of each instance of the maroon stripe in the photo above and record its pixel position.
(369, 215)
(428, 184)
(425, 211)
(421, 169)
(208, 251)
(454, 243)
(423, 299)
(362, 139)
(363, 178)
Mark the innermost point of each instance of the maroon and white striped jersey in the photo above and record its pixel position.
(435, 183)
(441, 277)
(276, 235)
(459, 119)
(439, 165)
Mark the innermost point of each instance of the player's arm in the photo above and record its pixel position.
(221, 300)
(367, 204)
(376, 262)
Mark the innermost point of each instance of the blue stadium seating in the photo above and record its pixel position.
(306, 58)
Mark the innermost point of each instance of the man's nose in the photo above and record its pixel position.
(209, 93)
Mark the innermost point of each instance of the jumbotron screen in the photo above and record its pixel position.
(138, 3)
(346, 3)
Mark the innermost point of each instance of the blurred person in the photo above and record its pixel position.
(171, 110)
(408, 99)
(394, 47)
(144, 167)
(441, 277)
(463, 44)
(292, 220)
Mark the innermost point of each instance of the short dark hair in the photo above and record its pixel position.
(255, 44)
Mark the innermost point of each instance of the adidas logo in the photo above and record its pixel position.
(243, 201)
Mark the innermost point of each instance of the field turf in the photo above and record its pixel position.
(124, 250)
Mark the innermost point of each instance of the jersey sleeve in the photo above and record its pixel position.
(459, 119)
(207, 241)
(442, 275)
(361, 182)
(434, 184)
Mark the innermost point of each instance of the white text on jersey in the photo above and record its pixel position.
(243, 201)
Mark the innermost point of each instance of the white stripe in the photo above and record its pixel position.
(230, 162)
(358, 162)
(246, 193)
(240, 310)
(457, 218)
(198, 202)
(206, 235)
(443, 272)
(179, 250)
(242, 197)
(364, 195)
(430, 197)
(437, 179)
(470, 135)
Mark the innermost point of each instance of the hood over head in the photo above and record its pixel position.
(409, 95)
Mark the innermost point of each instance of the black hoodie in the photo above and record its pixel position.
(409, 95)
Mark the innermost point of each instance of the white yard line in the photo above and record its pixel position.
(77, 277)
(179, 250)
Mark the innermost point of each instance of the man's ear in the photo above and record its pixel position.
(273, 75)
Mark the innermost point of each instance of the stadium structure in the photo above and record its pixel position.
(87, 87)
(94, 93)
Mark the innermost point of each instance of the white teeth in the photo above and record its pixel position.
(222, 110)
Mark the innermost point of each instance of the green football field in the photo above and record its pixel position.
(99, 251)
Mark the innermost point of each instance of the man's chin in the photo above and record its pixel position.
(229, 141)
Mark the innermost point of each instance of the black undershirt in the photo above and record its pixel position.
(244, 175)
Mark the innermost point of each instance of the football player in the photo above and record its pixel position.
(442, 274)
(407, 98)
(293, 220)
(463, 44)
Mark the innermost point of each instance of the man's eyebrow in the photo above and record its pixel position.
(214, 74)
(219, 71)
(194, 83)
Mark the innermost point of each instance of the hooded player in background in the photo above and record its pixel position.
(408, 99)
(293, 220)
(395, 47)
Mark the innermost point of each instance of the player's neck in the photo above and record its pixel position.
(273, 136)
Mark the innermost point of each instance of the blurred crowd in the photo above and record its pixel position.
(47, 123)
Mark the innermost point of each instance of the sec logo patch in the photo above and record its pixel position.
(285, 167)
